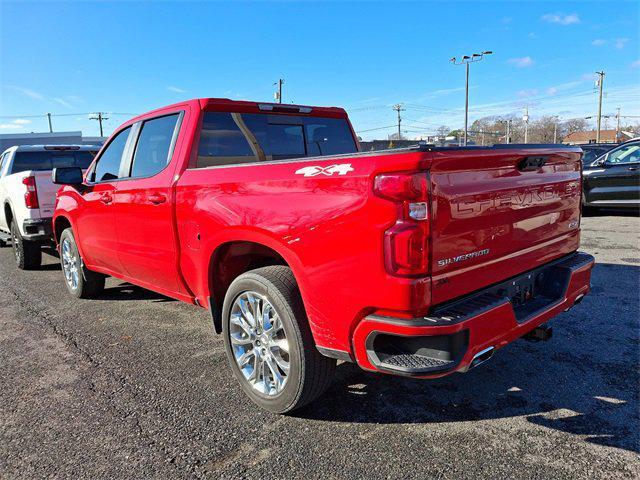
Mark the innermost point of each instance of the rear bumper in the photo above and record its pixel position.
(460, 334)
(37, 229)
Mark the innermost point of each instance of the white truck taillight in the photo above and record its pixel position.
(31, 197)
(406, 243)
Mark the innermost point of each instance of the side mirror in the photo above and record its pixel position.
(600, 162)
(67, 176)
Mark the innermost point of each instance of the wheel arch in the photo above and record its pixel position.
(60, 224)
(235, 257)
(7, 211)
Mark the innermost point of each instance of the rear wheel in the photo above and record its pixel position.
(269, 343)
(81, 282)
(28, 254)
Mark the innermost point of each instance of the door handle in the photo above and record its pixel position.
(633, 168)
(106, 199)
(157, 199)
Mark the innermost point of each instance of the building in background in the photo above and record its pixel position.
(57, 138)
(606, 136)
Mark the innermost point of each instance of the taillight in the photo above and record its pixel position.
(406, 243)
(31, 197)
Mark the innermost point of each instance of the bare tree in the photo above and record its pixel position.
(544, 129)
(574, 125)
(442, 131)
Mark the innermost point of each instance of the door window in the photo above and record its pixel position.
(154, 146)
(108, 165)
(625, 154)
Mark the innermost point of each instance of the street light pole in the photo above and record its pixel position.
(466, 104)
(600, 82)
(466, 60)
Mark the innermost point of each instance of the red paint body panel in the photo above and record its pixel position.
(330, 229)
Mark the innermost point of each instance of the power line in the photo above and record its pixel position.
(377, 128)
(99, 116)
(398, 108)
(45, 115)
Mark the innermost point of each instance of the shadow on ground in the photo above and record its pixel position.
(610, 212)
(584, 381)
(127, 291)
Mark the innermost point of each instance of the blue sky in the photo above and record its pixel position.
(126, 57)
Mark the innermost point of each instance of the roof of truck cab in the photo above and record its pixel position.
(53, 148)
(244, 106)
(289, 108)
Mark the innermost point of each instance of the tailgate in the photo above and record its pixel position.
(497, 213)
(46, 192)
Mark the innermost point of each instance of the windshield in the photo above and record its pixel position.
(229, 138)
(48, 160)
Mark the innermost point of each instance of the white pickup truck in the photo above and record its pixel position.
(27, 195)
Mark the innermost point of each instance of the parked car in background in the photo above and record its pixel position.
(613, 180)
(595, 150)
(419, 262)
(27, 195)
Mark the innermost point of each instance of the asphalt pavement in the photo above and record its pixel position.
(136, 385)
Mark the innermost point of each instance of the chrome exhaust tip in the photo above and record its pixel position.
(481, 357)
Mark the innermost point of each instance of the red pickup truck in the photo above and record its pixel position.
(419, 261)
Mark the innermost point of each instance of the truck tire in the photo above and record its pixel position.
(275, 359)
(28, 254)
(80, 281)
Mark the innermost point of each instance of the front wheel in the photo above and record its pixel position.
(269, 343)
(80, 281)
(28, 254)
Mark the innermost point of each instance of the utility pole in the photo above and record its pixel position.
(278, 94)
(398, 108)
(618, 134)
(600, 83)
(100, 117)
(51, 127)
(466, 60)
(555, 130)
(525, 117)
(508, 140)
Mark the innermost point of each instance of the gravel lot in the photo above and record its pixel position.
(135, 384)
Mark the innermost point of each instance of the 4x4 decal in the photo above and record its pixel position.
(312, 171)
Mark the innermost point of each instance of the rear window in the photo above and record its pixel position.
(49, 160)
(231, 138)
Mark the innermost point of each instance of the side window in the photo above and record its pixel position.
(154, 146)
(222, 142)
(3, 159)
(6, 162)
(625, 154)
(108, 166)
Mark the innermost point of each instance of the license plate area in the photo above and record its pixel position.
(535, 291)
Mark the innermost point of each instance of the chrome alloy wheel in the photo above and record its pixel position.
(259, 343)
(70, 264)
